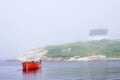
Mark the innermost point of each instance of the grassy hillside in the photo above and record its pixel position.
(110, 48)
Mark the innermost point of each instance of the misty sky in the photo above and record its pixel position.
(28, 24)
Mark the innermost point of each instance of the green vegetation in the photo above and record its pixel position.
(110, 48)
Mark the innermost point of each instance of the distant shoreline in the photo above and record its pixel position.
(109, 49)
(90, 58)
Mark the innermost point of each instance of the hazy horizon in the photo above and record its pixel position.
(28, 24)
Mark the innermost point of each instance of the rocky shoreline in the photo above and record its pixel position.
(77, 58)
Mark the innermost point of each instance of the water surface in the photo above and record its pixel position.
(96, 70)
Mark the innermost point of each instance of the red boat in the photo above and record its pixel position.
(32, 59)
(31, 65)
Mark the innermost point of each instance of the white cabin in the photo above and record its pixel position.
(98, 34)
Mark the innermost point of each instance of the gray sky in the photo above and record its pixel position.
(28, 24)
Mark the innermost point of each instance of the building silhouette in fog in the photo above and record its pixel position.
(98, 34)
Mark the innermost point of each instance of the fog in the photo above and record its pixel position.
(28, 24)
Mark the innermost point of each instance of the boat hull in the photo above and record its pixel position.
(31, 65)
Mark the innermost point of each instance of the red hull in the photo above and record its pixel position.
(31, 65)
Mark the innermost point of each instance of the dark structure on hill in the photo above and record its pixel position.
(98, 34)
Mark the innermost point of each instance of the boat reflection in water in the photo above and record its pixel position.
(31, 71)
(31, 74)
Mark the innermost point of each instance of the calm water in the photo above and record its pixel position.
(97, 70)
